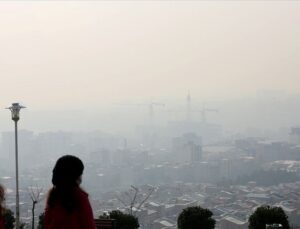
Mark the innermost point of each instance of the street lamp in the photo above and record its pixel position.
(15, 116)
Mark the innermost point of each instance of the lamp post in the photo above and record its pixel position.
(15, 116)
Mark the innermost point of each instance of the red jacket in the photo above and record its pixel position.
(1, 222)
(57, 217)
(1, 218)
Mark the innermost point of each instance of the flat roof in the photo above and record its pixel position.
(234, 220)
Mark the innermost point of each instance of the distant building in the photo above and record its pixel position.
(26, 148)
(7, 150)
(187, 148)
(271, 151)
(229, 222)
(195, 151)
(209, 132)
(273, 226)
(295, 135)
(163, 224)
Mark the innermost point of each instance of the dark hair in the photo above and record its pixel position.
(65, 174)
(2, 198)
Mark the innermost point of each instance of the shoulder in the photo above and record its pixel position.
(81, 194)
(83, 200)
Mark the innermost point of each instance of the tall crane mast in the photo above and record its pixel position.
(202, 111)
(150, 105)
(188, 107)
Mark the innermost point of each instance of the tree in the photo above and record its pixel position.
(9, 219)
(41, 221)
(35, 195)
(123, 220)
(268, 215)
(134, 200)
(23, 225)
(195, 218)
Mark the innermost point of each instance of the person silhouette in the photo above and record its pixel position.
(67, 205)
(2, 209)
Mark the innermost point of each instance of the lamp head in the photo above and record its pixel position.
(15, 111)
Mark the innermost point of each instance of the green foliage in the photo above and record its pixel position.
(22, 225)
(104, 216)
(195, 218)
(124, 221)
(9, 219)
(41, 221)
(268, 215)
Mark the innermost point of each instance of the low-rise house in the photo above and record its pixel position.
(230, 222)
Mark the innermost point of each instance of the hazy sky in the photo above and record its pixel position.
(67, 54)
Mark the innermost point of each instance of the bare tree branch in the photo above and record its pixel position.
(125, 205)
(147, 197)
(35, 197)
(133, 200)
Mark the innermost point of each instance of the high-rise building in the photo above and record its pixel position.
(295, 135)
(187, 148)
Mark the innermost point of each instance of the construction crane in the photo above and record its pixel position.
(203, 112)
(188, 107)
(189, 110)
(150, 106)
